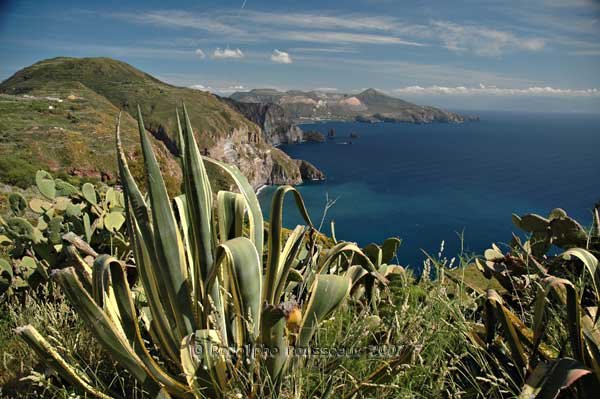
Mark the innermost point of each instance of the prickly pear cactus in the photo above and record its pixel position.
(557, 229)
(34, 228)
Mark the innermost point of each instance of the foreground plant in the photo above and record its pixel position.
(535, 292)
(34, 230)
(220, 319)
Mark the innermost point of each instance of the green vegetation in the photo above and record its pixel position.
(126, 87)
(42, 233)
(205, 299)
(61, 112)
(70, 138)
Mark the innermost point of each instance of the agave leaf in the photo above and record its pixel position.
(141, 233)
(288, 259)
(53, 359)
(182, 215)
(204, 364)
(356, 274)
(514, 343)
(198, 194)
(566, 293)
(548, 380)
(125, 310)
(255, 218)
(273, 339)
(231, 208)
(244, 269)
(168, 242)
(160, 320)
(327, 293)
(589, 262)
(344, 248)
(274, 264)
(104, 329)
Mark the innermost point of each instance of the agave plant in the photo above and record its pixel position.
(214, 304)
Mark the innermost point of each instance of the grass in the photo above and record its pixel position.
(74, 138)
(419, 314)
(22, 376)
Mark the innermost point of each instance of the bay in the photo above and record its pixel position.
(439, 182)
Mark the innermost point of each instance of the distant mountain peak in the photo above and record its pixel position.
(369, 105)
(371, 92)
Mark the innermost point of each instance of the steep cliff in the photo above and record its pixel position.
(276, 126)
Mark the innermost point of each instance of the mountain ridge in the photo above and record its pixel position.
(370, 105)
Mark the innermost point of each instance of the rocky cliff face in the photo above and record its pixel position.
(277, 129)
(260, 162)
(276, 126)
(308, 171)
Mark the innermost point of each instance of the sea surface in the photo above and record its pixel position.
(432, 183)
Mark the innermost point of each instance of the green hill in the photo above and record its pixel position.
(68, 129)
(103, 86)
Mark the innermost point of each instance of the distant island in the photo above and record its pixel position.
(369, 106)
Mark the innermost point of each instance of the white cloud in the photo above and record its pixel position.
(227, 53)
(496, 91)
(200, 53)
(225, 90)
(326, 89)
(281, 57)
(201, 87)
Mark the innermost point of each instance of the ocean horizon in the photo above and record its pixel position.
(456, 183)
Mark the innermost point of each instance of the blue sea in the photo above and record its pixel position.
(437, 182)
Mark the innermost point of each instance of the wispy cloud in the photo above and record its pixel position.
(200, 53)
(179, 19)
(496, 91)
(345, 38)
(320, 21)
(226, 53)
(482, 40)
(348, 29)
(345, 50)
(281, 57)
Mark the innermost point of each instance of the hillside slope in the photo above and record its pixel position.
(220, 130)
(368, 106)
(67, 128)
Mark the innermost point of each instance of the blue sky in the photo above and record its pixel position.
(477, 54)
